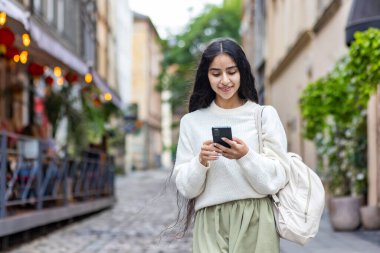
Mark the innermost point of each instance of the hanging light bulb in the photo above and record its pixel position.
(3, 18)
(57, 71)
(24, 57)
(16, 58)
(26, 39)
(60, 81)
(88, 78)
(107, 96)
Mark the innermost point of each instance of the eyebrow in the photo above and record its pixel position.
(220, 69)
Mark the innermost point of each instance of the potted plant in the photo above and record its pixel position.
(334, 113)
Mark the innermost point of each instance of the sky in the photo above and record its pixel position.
(170, 16)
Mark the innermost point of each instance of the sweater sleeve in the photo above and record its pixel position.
(267, 172)
(189, 173)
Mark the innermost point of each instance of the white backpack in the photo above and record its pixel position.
(299, 205)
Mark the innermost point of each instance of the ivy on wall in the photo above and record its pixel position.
(334, 110)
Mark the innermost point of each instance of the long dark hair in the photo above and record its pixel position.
(202, 96)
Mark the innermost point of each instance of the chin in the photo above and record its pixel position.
(226, 97)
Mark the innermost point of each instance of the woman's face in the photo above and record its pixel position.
(224, 77)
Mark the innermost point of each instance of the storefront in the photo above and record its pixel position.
(32, 61)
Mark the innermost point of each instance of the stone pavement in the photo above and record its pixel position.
(143, 211)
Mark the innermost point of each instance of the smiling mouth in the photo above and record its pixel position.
(226, 89)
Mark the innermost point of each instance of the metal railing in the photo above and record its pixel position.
(30, 176)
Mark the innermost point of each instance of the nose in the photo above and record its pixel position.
(225, 80)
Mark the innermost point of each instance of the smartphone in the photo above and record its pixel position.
(219, 132)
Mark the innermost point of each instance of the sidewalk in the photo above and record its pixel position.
(143, 211)
(328, 241)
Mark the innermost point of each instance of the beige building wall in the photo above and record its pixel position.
(146, 146)
(101, 36)
(111, 44)
(246, 29)
(305, 39)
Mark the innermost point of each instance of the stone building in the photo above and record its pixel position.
(294, 43)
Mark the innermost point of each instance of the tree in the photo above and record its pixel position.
(183, 50)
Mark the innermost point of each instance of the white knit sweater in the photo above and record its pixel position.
(252, 176)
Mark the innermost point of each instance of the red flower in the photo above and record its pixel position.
(97, 102)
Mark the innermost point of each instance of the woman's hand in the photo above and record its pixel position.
(238, 148)
(208, 153)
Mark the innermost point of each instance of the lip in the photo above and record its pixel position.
(226, 89)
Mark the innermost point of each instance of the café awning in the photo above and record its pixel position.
(54, 48)
(13, 10)
(363, 15)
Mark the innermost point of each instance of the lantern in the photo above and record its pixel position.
(49, 81)
(35, 69)
(11, 52)
(71, 77)
(7, 37)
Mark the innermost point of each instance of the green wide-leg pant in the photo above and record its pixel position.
(242, 226)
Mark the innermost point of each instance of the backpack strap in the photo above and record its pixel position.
(259, 127)
(259, 113)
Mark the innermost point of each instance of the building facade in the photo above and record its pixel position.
(59, 35)
(144, 147)
(295, 43)
(114, 60)
(61, 39)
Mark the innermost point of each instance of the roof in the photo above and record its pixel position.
(139, 16)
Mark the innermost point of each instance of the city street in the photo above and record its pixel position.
(144, 209)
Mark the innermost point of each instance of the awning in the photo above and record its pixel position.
(56, 49)
(13, 10)
(103, 87)
(53, 47)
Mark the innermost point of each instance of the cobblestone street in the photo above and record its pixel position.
(134, 225)
(144, 210)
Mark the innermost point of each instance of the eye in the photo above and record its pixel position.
(216, 74)
(232, 71)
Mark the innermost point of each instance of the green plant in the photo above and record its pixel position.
(62, 103)
(184, 49)
(334, 112)
(86, 115)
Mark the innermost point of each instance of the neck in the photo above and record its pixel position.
(229, 104)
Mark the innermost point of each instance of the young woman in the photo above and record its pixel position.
(227, 188)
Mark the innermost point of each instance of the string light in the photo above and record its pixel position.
(24, 57)
(88, 78)
(107, 96)
(26, 39)
(16, 58)
(3, 18)
(60, 81)
(57, 71)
